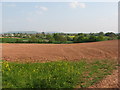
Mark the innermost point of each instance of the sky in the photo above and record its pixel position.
(68, 17)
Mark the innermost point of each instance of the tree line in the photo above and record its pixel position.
(61, 37)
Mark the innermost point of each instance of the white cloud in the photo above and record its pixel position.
(77, 4)
(42, 8)
(73, 4)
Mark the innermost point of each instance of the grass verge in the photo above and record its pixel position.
(60, 74)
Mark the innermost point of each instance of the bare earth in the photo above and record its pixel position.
(51, 52)
(110, 81)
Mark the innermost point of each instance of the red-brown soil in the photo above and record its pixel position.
(110, 81)
(51, 52)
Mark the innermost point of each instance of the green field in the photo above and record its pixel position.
(21, 40)
(59, 74)
(12, 40)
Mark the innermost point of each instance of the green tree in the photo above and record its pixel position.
(33, 39)
(100, 38)
(111, 35)
(50, 38)
(81, 34)
(69, 38)
(59, 38)
(81, 39)
(75, 39)
(92, 38)
(101, 33)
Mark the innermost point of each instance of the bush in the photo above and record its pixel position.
(100, 38)
(92, 39)
(60, 38)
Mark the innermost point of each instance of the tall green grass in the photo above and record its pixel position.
(60, 74)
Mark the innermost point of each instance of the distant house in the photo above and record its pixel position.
(12, 34)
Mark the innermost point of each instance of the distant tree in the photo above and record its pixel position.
(81, 39)
(118, 37)
(56, 37)
(86, 35)
(92, 38)
(111, 35)
(91, 34)
(100, 38)
(43, 33)
(69, 38)
(59, 38)
(80, 34)
(101, 33)
(33, 39)
(50, 38)
(75, 39)
(37, 35)
(20, 35)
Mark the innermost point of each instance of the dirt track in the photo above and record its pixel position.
(110, 81)
(51, 52)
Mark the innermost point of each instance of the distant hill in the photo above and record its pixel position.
(32, 32)
(53, 32)
(28, 32)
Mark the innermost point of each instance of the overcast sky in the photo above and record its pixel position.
(63, 17)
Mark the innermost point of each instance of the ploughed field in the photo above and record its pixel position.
(53, 52)
(60, 74)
